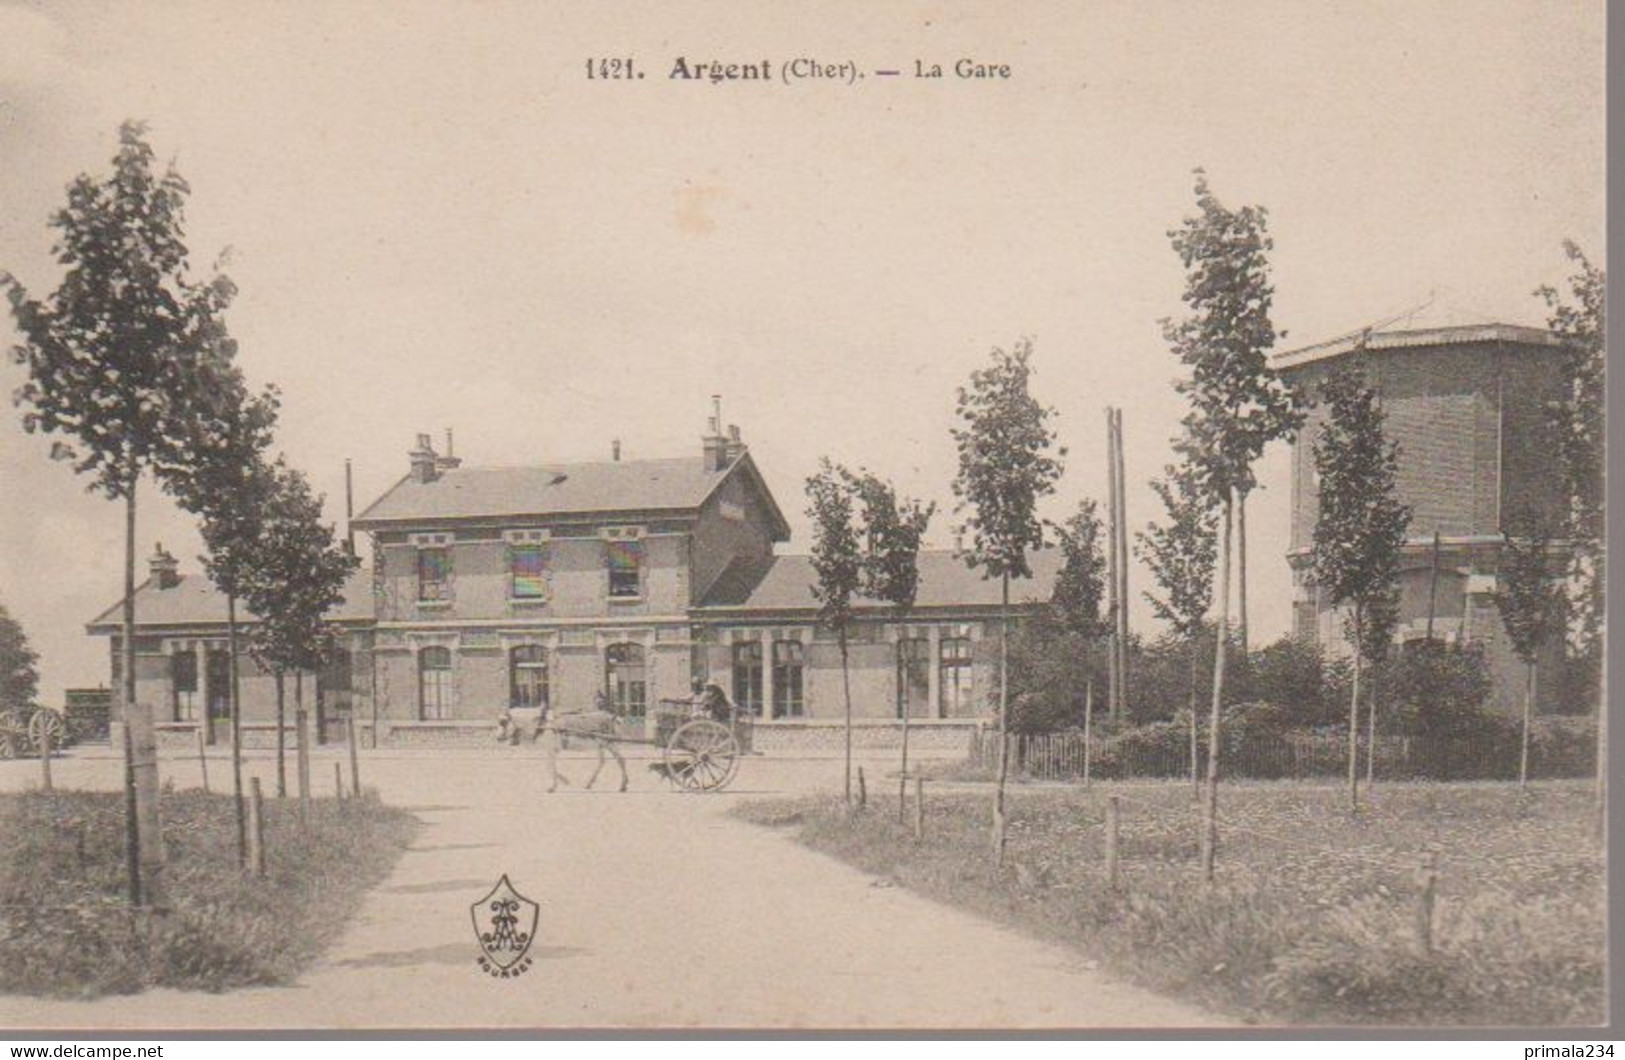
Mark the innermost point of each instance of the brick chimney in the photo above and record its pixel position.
(447, 462)
(735, 446)
(715, 443)
(425, 463)
(164, 569)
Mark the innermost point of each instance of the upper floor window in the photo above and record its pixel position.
(528, 572)
(625, 561)
(748, 676)
(434, 567)
(789, 700)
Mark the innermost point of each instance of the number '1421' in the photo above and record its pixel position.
(610, 69)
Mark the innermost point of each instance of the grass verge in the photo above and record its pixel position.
(1313, 916)
(67, 931)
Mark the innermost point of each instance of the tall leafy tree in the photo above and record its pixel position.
(1238, 404)
(299, 572)
(837, 561)
(1530, 601)
(19, 666)
(891, 529)
(1578, 418)
(1359, 530)
(1008, 460)
(1080, 586)
(1181, 553)
(228, 485)
(112, 360)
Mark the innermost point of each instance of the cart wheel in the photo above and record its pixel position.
(46, 720)
(9, 743)
(702, 756)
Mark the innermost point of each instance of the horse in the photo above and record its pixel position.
(596, 725)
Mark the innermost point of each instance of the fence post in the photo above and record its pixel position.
(919, 808)
(202, 760)
(355, 760)
(1111, 841)
(1427, 876)
(863, 790)
(1088, 715)
(256, 828)
(45, 754)
(338, 780)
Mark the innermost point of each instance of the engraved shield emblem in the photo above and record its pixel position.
(505, 924)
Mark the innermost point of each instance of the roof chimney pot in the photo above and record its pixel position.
(164, 569)
(425, 463)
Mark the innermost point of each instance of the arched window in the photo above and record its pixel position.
(789, 700)
(748, 677)
(527, 676)
(914, 677)
(954, 678)
(626, 680)
(183, 679)
(434, 683)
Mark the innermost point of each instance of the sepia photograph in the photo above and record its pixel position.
(555, 518)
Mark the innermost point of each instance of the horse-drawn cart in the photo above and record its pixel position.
(699, 748)
(700, 754)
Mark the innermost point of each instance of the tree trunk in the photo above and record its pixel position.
(1602, 762)
(149, 840)
(1004, 721)
(1196, 669)
(1122, 571)
(1523, 739)
(1210, 830)
(846, 691)
(302, 743)
(1371, 734)
(1354, 719)
(281, 736)
(236, 733)
(1241, 573)
(902, 702)
(1113, 561)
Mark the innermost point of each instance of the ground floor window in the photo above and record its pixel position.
(527, 676)
(954, 678)
(626, 679)
(913, 677)
(748, 677)
(434, 684)
(789, 668)
(183, 680)
(218, 680)
(333, 680)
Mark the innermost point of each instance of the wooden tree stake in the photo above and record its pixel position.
(1111, 841)
(202, 760)
(355, 761)
(256, 828)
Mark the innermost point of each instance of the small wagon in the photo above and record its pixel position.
(23, 733)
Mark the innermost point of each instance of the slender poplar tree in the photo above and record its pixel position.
(1006, 465)
(837, 561)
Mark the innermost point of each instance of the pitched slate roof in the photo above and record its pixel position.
(194, 601)
(557, 489)
(1433, 323)
(785, 584)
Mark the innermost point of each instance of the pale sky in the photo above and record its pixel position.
(437, 221)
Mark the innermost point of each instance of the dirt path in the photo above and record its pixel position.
(656, 910)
